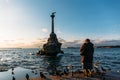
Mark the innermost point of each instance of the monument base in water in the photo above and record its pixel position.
(52, 47)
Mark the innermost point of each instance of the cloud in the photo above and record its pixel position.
(75, 43)
(61, 40)
(4, 1)
(97, 42)
(44, 30)
(107, 43)
(36, 43)
(7, 1)
(59, 32)
(9, 41)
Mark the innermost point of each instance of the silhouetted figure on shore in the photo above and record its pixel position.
(27, 77)
(13, 78)
(87, 50)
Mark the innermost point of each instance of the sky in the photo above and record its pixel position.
(23, 22)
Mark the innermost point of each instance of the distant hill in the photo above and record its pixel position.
(117, 46)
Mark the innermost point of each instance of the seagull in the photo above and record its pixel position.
(65, 72)
(12, 73)
(42, 75)
(96, 64)
(79, 71)
(109, 69)
(103, 78)
(67, 69)
(36, 72)
(96, 67)
(12, 68)
(32, 71)
(27, 77)
(59, 73)
(13, 78)
(104, 70)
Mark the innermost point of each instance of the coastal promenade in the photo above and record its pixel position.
(79, 76)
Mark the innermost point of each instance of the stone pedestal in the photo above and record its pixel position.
(52, 47)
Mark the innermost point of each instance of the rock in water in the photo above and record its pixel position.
(52, 47)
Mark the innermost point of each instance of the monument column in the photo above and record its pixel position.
(52, 17)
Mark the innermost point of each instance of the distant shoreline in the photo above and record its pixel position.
(73, 47)
(117, 46)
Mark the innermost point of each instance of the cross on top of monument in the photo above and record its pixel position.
(53, 14)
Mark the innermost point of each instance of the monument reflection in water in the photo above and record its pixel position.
(52, 64)
(52, 47)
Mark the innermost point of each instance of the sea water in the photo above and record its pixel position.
(24, 60)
